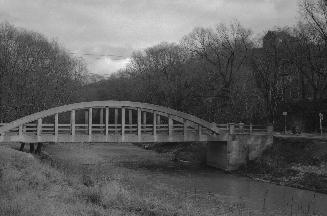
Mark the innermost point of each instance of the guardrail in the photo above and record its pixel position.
(245, 128)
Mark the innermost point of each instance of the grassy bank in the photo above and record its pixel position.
(297, 162)
(30, 185)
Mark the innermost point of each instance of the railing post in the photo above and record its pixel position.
(231, 128)
(123, 123)
(107, 121)
(154, 124)
(20, 130)
(139, 122)
(199, 130)
(116, 119)
(90, 121)
(39, 127)
(251, 128)
(170, 126)
(72, 122)
(56, 126)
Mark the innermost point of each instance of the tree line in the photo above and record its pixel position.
(35, 73)
(226, 74)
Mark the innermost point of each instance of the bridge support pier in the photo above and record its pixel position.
(237, 150)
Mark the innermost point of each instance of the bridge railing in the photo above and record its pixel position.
(244, 128)
(130, 128)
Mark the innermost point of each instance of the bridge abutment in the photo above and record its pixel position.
(237, 150)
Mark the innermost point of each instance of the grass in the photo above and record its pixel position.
(64, 186)
(29, 187)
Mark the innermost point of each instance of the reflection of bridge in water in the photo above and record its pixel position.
(117, 121)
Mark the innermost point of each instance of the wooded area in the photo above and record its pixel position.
(222, 74)
(225, 74)
(35, 73)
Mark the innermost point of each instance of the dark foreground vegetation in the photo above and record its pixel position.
(297, 162)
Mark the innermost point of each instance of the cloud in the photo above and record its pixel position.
(106, 66)
(120, 27)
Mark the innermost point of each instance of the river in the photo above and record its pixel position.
(156, 172)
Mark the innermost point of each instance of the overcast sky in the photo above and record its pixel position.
(119, 27)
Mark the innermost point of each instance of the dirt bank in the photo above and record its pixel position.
(294, 161)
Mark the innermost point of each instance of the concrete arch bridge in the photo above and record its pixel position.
(122, 121)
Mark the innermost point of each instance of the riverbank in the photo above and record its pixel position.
(293, 161)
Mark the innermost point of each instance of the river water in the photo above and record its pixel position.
(153, 170)
(265, 197)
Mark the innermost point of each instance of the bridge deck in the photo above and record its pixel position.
(100, 137)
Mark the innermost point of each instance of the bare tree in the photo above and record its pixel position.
(315, 16)
(224, 51)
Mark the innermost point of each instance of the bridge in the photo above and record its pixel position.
(124, 121)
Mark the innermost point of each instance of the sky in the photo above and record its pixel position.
(96, 29)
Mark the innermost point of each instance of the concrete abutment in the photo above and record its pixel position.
(237, 150)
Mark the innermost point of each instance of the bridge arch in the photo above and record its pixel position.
(16, 130)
